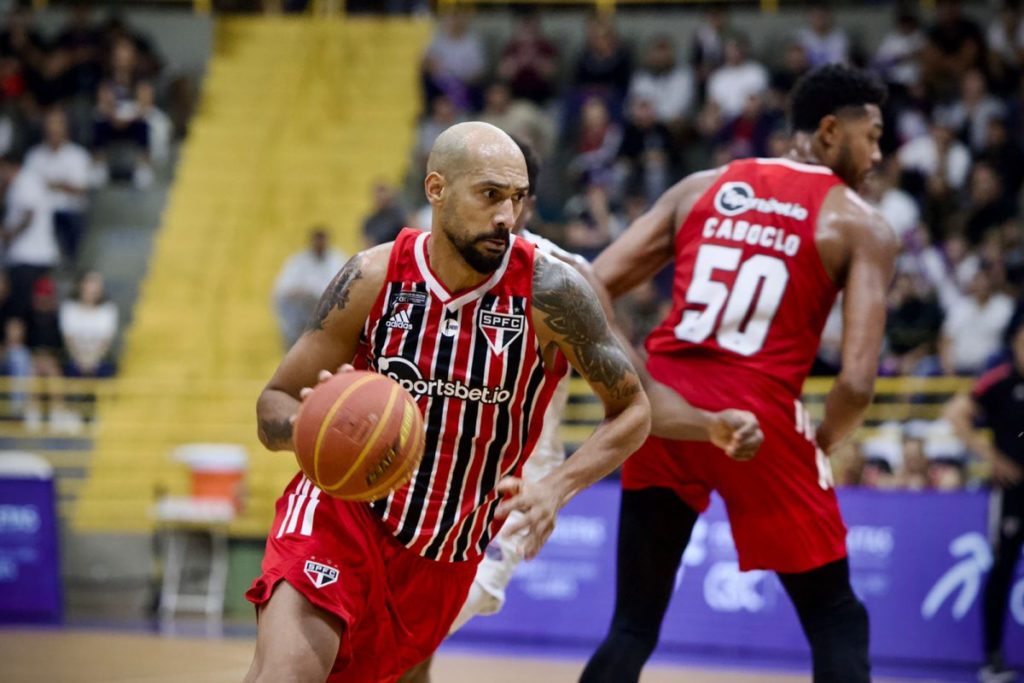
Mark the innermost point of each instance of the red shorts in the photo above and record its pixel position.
(396, 605)
(782, 506)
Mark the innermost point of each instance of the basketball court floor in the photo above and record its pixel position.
(94, 656)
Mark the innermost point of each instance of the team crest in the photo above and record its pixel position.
(320, 574)
(501, 329)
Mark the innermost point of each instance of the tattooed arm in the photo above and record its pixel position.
(328, 342)
(568, 317)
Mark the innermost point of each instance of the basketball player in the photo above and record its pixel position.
(761, 248)
(480, 328)
(735, 431)
(997, 400)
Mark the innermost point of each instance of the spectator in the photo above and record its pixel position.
(591, 225)
(17, 364)
(454, 63)
(597, 145)
(897, 207)
(519, 118)
(442, 115)
(988, 206)
(912, 329)
(969, 116)
(301, 282)
(603, 70)
(898, 56)
(668, 86)
(6, 300)
(913, 475)
(119, 117)
(709, 45)
(529, 62)
(147, 62)
(823, 42)
(748, 134)
(974, 326)
(47, 346)
(88, 325)
(64, 166)
(937, 166)
(794, 65)
(645, 157)
(730, 86)
(1004, 154)
(82, 44)
(388, 217)
(1005, 39)
(955, 46)
(32, 250)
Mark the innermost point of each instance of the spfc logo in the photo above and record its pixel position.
(501, 329)
(320, 574)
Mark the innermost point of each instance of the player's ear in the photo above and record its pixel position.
(830, 130)
(434, 185)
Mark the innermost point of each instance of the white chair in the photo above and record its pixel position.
(217, 472)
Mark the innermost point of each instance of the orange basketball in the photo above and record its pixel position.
(359, 436)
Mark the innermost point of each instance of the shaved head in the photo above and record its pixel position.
(467, 146)
(477, 182)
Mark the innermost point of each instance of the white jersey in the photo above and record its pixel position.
(550, 451)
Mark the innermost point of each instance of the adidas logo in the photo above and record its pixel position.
(400, 320)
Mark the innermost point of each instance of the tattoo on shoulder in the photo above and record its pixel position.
(572, 312)
(336, 296)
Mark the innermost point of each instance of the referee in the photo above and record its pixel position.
(997, 401)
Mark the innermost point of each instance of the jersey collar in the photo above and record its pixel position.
(437, 288)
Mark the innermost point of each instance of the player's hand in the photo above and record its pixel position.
(737, 432)
(1006, 472)
(539, 504)
(323, 377)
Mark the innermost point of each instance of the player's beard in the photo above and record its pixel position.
(484, 263)
(847, 169)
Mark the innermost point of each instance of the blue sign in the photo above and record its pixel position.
(918, 561)
(29, 568)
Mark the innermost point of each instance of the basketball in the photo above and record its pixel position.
(359, 436)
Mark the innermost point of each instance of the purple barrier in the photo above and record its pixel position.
(918, 560)
(29, 568)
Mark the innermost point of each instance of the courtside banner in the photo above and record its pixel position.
(29, 566)
(918, 560)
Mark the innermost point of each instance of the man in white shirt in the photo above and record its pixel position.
(300, 283)
(735, 81)
(823, 42)
(939, 155)
(668, 86)
(31, 250)
(973, 330)
(64, 166)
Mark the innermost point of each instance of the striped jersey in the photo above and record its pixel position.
(473, 363)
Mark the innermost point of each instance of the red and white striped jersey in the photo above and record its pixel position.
(473, 362)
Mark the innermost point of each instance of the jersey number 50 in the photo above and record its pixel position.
(749, 307)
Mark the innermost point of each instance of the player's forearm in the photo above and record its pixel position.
(274, 412)
(845, 407)
(612, 442)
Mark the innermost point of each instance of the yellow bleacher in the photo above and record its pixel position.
(297, 117)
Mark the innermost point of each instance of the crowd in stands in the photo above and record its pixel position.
(77, 112)
(619, 121)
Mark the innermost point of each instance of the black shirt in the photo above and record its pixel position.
(1000, 394)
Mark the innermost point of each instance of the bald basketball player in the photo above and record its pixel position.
(480, 328)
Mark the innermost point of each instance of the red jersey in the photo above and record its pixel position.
(750, 289)
(473, 362)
